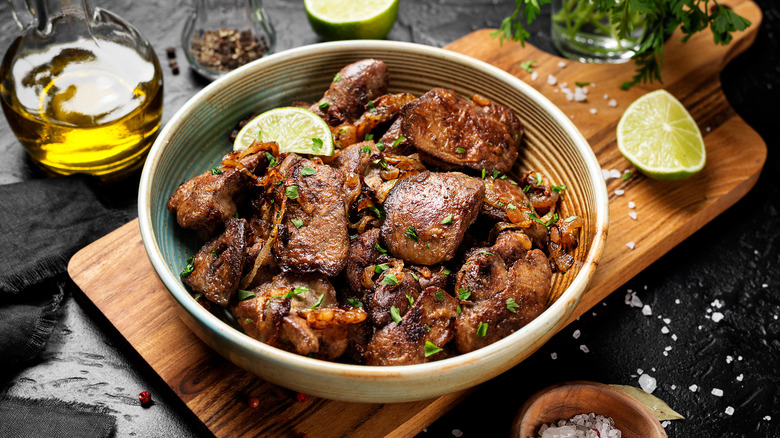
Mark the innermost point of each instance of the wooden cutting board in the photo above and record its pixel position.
(137, 304)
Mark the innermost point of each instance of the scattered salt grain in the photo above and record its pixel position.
(673, 387)
(552, 80)
(668, 348)
(571, 116)
(630, 245)
(665, 353)
(632, 300)
(584, 348)
(561, 64)
(612, 103)
(619, 192)
(767, 418)
(717, 303)
(606, 96)
(639, 371)
(457, 433)
(740, 377)
(555, 90)
(576, 334)
(729, 359)
(646, 310)
(632, 215)
(581, 426)
(677, 301)
(739, 358)
(580, 95)
(694, 387)
(717, 316)
(631, 204)
(765, 285)
(664, 329)
(667, 321)
(610, 173)
(717, 392)
(534, 76)
(674, 337)
(553, 355)
(707, 129)
(729, 410)
(647, 383)
(593, 110)
(665, 423)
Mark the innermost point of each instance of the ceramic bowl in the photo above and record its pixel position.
(565, 400)
(197, 136)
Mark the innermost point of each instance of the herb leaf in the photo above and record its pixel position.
(464, 293)
(316, 144)
(412, 233)
(395, 314)
(319, 302)
(354, 302)
(482, 330)
(308, 171)
(390, 280)
(189, 267)
(431, 348)
(245, 294)
(447, 220)
(297, 222)
(216, 171)
(511, 305)
(291, 192)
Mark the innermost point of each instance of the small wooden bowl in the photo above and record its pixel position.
(565, 400)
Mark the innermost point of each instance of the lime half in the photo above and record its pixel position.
(349, 19)
(658, 136)
(293, 129)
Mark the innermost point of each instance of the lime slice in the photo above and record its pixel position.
(293, 129)
(658, 136)
(349, 19)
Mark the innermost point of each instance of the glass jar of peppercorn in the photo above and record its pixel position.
(222, 35)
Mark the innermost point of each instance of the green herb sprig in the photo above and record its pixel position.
(661, 19)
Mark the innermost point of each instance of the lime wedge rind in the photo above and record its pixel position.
(347, 19)
(292, 128)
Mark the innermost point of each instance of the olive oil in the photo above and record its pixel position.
(86, 106)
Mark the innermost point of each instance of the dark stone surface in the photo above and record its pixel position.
(733, 260)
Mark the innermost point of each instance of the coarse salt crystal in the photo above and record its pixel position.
(579, 95)
(717, 316)
(553, 355)
(631, 204)
(632, 215)
(561, 64)
(576, 334)
(646, 310)
(584, 348)
(630, 245)
(639, 371)
(606, 96)
(534, 76)
(610, 173)
(765, 285)
(729, 359)
(673, 387)
(665, 423)
(667, 321)
(729, 410)
(612, 103)
(674, 337)
(571, 116)
(767, 418)
(457, 433)
(740, 377)
(693, 387)
(665, 353)
(552, 80)
(717, 392)
(677, 301)
(619, 192)
(555, 90)
(593, 111)
(668, 348)
(739, 357)
(664, 329)
(647, 383)
(717, 303)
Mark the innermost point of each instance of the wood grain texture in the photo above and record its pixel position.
(136, 303)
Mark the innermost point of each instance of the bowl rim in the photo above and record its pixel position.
(565, 303)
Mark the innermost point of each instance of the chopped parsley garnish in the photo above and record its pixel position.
(398, 141)
(513, 182)
(377, 210)
(459, 309)
(395, 314)
(427, 327)
(354, 303)
(381, 268)
(446, 271)
(248, 321)
(482, 251)
(380, 249)
(539, 179)
(390, 280)
(428, 245)
(552, 220)
(582, 84)
(216, 171)
(291, 192)
(412, 233)
(316, 144)
(319, 301)
(189, 267)
(371, 106)
(464, 293)
(431, 348)
(308, 171)
(482, 330)
(324, 104)
(353, 237)
(297, 222)
(460, 150)
(380, 145)
(271, 160)
(235, 215)
(245, 294)
(526, 189)
(365, 149)
(569, 219)
(197, 297)
(626, 175)
(415, 276)
(381, 162)
(410, 299)
(214, 253)
(439, 295)
(337, 78)
(483, 173)
(297, 291)
(511, 305)
(496, 173)
(368, 137)
(558, 189)
(528, 65)
(511, 206)
(447, 220)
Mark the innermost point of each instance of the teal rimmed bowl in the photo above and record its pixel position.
(197, 137)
